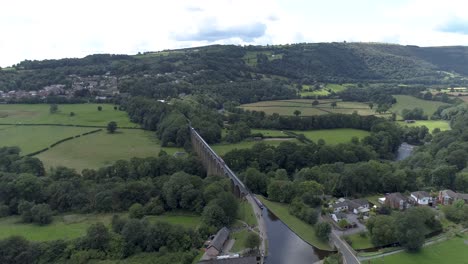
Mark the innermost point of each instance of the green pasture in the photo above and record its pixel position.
(62, 227)
(301, 228)
(85, 114)
(223, 148)
(287, 107)
(101, 149)
(269, 132)
(430, 124)
(34, 138)
(453, 251)
(359, 242)
(334, 136)
(411, 102)
(246, 213)
(241, 238)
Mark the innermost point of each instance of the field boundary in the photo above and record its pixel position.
(61, 141)
(66, 125)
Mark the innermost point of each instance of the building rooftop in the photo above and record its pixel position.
(219, 239)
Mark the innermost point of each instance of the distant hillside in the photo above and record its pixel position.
(223, 70)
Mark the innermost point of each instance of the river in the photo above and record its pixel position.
(284, 246)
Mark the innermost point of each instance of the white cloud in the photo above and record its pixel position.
(55, 29)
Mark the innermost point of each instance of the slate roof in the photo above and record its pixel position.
(395, 197)
(420, 194)
(219, 239)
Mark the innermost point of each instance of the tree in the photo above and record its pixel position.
(213, 215)
(333, 104)
(410, 229)
(136, 211)
(371, 105)
(297, 113)
(315, 103)
(97, 237)
(42, 214)
(99, 108)
(382, 230)
(53, 108)
(112, 127)
(252, 241)
(323, 230)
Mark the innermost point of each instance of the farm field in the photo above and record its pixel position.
(63, 227)
(454, 251)
(410, 102)
(85, 114)
(324, 91)
(287, 107)
(31, 139)
(430, 124)
(101, 149)
(224, 148)
(301, 228)
(334, 136)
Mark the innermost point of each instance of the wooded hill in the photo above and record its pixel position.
(168, 73)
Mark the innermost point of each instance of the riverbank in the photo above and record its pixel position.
(305, 231)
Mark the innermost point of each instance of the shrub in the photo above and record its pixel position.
(4, 210)
(136, 211)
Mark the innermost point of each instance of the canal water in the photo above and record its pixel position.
(404, 151)
(284, 246)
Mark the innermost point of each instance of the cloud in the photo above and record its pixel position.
(210, 32)
(455, 25)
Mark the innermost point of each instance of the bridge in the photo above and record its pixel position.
(215, 165)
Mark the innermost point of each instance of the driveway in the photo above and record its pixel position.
(360, 227)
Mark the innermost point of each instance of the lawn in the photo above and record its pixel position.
(430, 124)
(63, 227)
(301, 228)
(287, 107)
(334, 136)
(185, 220)
(410, 102)
(31, 139)
(246, 213)
(85, 114)
(453, 251)
(101, 149)
(269, 132)
(358, 242)
(224, 148)
(240, 238)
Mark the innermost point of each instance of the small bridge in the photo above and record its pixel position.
(214, 164)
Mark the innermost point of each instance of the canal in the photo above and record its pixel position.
(404, 151)
(284, 246)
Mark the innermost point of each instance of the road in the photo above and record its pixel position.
(343, 248)
(260, 223)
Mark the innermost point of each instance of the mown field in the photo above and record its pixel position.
(85, 114)
(334, 136)
(101, 149)
(301, 228)
(240, 238)
(223, 148)
(287, 107)
(306, 89)
(410, 102)
(359, 242)
(31, 139)
(430, 124)
(453, 251)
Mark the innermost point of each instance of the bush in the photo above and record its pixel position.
(136, 211)
(323, 230)
(42, 214)
(4, 210)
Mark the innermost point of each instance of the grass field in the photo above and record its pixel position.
(31, 139)
(101, 149)
(224, 148)
(185, 220)
(63, 227)
(430, 124)
(453, 251)
(246, 213)
(287, 107)
(301, 228)
(85, 114)
(269, 132)
(410, 102)
(358, 242)
(240, 238)
(334, 136)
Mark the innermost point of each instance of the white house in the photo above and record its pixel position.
(421, 198)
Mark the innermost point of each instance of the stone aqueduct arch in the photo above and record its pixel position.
(214, 165)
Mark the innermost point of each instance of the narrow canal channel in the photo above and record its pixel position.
(284, 246)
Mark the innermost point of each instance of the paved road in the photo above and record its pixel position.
(343, 248)
(261, 224)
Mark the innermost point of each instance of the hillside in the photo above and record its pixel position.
(245, 74)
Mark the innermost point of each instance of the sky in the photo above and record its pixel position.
(52, 29)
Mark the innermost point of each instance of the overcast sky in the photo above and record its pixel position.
(49, 29)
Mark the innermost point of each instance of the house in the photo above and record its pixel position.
(449, 196)
(421, 198)
(338, 216)
(356, 206)
(396, 201)
(216, 245)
